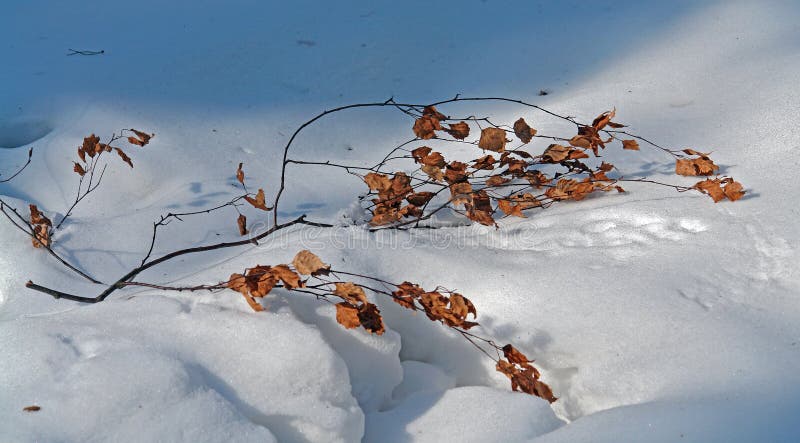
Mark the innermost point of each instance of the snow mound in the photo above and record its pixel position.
(155, 369)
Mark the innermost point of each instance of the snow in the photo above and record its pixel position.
(654, 315)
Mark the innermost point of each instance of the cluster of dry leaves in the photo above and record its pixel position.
(354, 309)
(513, 180)
(92, 147)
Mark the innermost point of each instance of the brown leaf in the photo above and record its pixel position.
(307, 263)
(485, 162)
(711, 188)
(432, 112)
(32, 408)
(238, 282)
(513, 355)
(289, 278)
(351, 293)
(405, 295)
(631, 145)
(82, 154)
(455, 172)
(493, 139)
(242, 222)
(378, 182)
(347, 315)
(581, 141)
(37, 218)
(524, 132)
(557, 153)
(79, 169)
(461, 193)
(371, 320)
(510, 209)
(141, 138)
(734, 190)
(496, 180)
(702, 165)
(240, 174)
(425, 126)
(420, 198)
(603, 119)
(459, 130)
(124, 157)
(89, 144)
(434, 172)
(259, 201)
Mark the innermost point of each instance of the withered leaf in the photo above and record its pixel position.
(141, 139)
(493, 139)
(371, 320)
(459, 130)
(351, 293)
(37, 218)
(702, 165)
(289, 278)
(259, 202)
(712, 188)
(496, 180)
(307, 263)
(461, 193)
(631, 145)
(734, 190)
(509, 208)
(420, 198)
(240, 174)
(124, 157)
(32, 408)
(456, 172)
(241, 221)
(378, 182)
(432, 112)
(79, 169)
(347, 315)
(603, 119)
(524, 132)
(425, 126)
(485, 162)
(406, 293)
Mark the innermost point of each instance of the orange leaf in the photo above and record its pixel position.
(351, 293)
(733, 190)
(307, 263)
(259, 201)
(631, 145)
(141, 138)
(347, 315)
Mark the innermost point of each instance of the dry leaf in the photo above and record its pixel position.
(734, 190)
(242, 222)
(459, 130)
(493, 139)
(631, 145)
(259, 201)
(307, 263)
(351, 293)
(141, 138)
(371, 320)
(32, 408)
(347, 315)
(524, 132)
(79, 169)
(124, 157)
(240, 174)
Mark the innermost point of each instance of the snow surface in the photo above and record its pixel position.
(655, 316)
